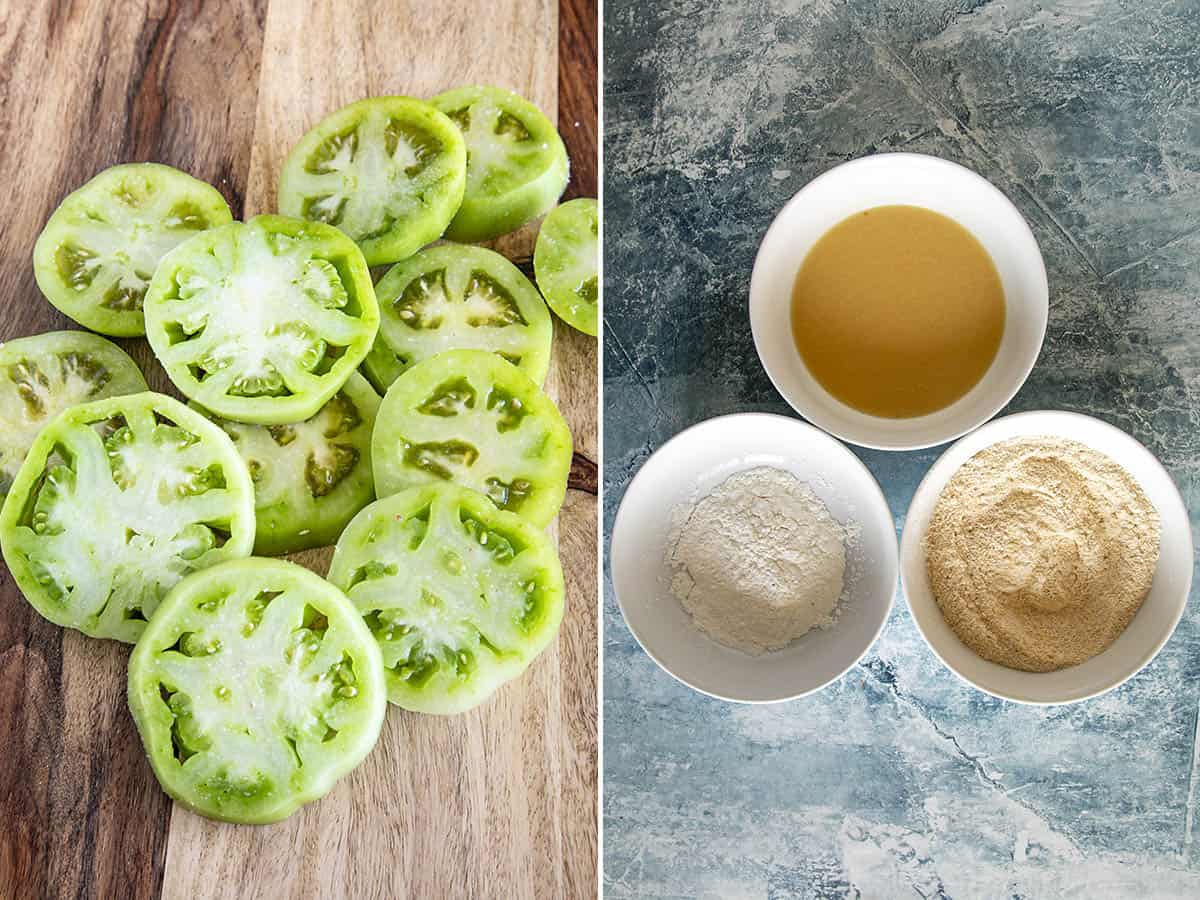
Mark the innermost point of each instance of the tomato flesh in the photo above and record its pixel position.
(388, 171)
(43, 375)
(460, 596)
(262, 322)
(470, 417)
(382, 365)
(115, 503)
(98, 252)
(310, 478)
(566, 261)
(517, 164)
(255, 688)
(455, 297)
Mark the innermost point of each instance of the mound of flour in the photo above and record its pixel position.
(758, 562)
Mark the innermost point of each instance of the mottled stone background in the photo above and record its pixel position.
(899, 781)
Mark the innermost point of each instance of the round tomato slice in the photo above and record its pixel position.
(460, 595)
(254, 689)
(264, 321)
(310, 478)
(40, 376)
(388, 171)
(566, 259)
(457, 297)
(469, 417)
(516, 162)
(97, 254)
(115, 503)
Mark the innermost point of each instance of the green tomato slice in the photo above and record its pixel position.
(516, 162)
(566, 260)
(382, 366)
(310, 478)
(115, 503)
(457, 297)
(98, 252)
(460, 595)
(388, 171)
(264, 321)
(254, 689)
(470, 417)
(43, 375)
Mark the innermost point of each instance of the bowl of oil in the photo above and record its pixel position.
(898, 301)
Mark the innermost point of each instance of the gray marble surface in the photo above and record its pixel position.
(899, 781)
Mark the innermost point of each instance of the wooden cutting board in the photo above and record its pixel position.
(496, 802)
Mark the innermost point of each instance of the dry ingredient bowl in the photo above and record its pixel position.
(689, 466)
(914, 180)
(1150, 628)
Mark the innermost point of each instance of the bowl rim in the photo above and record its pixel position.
(839, 171)
(908, 536)
(892, 550)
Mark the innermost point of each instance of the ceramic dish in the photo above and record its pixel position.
(1150, 628)
(689, 466)
(916, 180)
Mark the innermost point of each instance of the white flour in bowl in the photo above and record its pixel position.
(759, 561)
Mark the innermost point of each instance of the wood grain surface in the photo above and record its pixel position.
(499, 802)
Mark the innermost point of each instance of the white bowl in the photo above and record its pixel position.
(689, 466)
(1150, 628)
(915, 180)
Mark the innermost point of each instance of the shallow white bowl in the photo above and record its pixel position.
(689, 466)
(1150, 628)
(915, 180)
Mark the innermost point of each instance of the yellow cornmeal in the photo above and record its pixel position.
(1040, 552)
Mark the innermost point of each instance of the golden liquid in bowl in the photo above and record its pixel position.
(897, 311)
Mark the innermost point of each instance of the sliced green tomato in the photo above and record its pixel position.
(254, 689)
(469, 417)
(262, 322)
(97, 254)
(516, 162)
(461, 596)
(566, 260)
(457, 297)
(312, 477)
(388, 171)
(115, 503)
(382, 366)
(40, 376)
